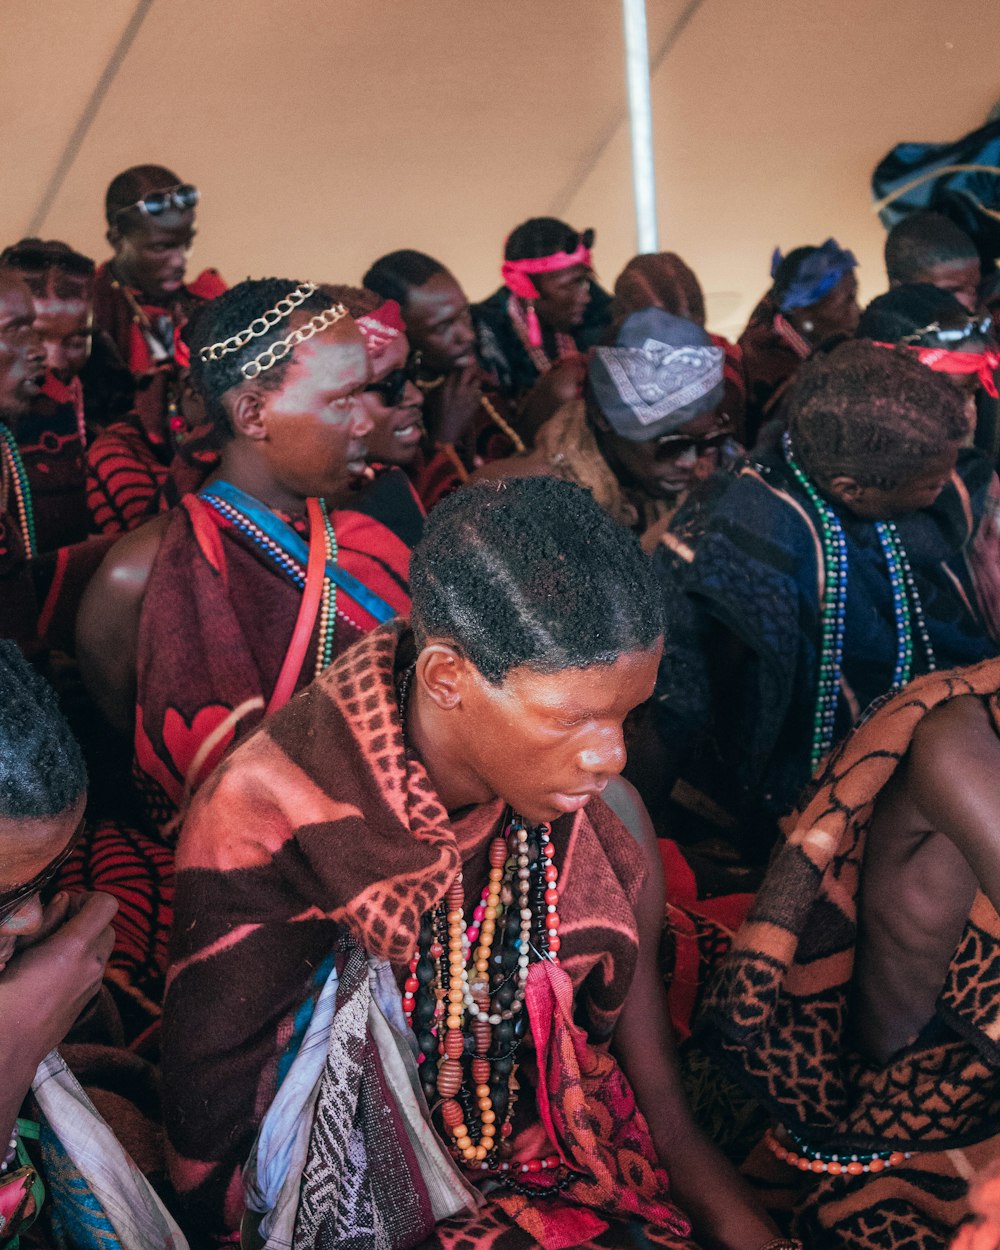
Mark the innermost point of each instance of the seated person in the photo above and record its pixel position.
(548, 311)
(467, 423)
(142, 301)
(822, 576)
(929, 247)
(341, 852)
(663, 280)
(51, 436)
(392, 399)
(813, 296)
(937, 329)
(858, 1004)
(52, 954)
(650, 423)
(212, 614)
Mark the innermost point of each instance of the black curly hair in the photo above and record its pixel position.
(532, 571)
(908, 308)
(872, 414)
(42, 773)
(226, 315)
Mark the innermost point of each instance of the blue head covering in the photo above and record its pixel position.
(817, 275)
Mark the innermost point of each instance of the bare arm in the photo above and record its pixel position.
(107, 627)
(952, 776)
(724, 1210)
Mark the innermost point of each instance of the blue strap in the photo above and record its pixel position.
(295, 546)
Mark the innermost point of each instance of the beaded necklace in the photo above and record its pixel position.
(799, 1154)
(465, 992)
(14, 475)
(906, 605)
(329, 609)
(565, 345)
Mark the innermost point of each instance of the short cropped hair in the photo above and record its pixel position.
(531, 571)
(923, 240)
(226, 315)
(394, 276)
(51, 268)
(42, 773)
(872, 414)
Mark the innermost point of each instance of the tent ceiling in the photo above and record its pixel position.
(323, 132)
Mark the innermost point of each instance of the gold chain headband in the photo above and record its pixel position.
(279, 350)
(260, 325)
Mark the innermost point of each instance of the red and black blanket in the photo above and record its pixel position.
(323, 821)
(777, 1015)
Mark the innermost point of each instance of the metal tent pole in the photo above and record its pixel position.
(640, 124)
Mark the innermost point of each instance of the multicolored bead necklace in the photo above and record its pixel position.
(565, 345)
(13, 475)
(809, 1159)
(464, 998)
(906, 606)
(329, 608)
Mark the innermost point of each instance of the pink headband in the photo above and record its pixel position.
(381, 327)
(516, 273)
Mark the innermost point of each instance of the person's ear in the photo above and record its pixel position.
(846, 490)
(247, 411)
(443, 674)
(114, 237)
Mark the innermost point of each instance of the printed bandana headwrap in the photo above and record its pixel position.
(381, 327)
(663, 372)
(817, 275)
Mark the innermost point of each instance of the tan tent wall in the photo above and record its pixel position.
(324, 132)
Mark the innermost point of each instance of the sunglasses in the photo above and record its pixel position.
(673, 446)
(972, 329)
(11, 901)
(182, 197)
(392, 387)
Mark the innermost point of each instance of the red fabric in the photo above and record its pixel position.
(959, 364)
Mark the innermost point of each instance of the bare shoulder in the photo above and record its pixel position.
(624, 800)
(952, 739)
(127, 565)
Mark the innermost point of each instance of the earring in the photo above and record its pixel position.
(807, 327)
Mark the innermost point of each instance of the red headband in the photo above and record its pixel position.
(381, 326)
(516, 273)
(984, 364)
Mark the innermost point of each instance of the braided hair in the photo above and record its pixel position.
(544, 236)
(873, 415)
(395, 276)
(42, 772)
(661, 280)
(51, 268)
(923, 240)
(532, 571)
(226, 315)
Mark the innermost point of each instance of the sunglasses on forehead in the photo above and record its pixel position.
(673, 446)
(973, 328)
(181, 197)
(392, 387)
(11, 901)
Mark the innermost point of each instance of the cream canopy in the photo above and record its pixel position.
(325, 132)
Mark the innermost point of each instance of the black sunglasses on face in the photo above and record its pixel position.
(182, 197)
(11, 901)
(673, 446)
(392, 387)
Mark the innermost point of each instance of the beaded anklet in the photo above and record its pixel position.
(808, 1159)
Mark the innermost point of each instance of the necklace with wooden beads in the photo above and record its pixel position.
(799, 1154)
(14, 477)
(465, 992)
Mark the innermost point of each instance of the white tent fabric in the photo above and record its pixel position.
(325, 132)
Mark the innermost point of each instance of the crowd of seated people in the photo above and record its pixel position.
(503, 774)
